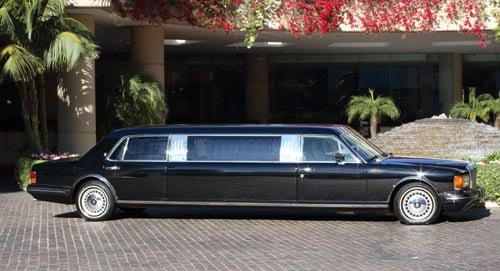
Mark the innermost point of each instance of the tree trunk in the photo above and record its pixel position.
(32, 136)
(373, 126)
(42, 107)
(34, 115)
(497, 121)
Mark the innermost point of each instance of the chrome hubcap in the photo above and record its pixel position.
(417, 204)
(93, 201)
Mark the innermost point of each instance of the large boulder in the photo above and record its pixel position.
(441, 137)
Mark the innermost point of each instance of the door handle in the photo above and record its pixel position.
(306, 170)
(303, 171)
(112, 168)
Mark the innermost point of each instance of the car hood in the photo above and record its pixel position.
(419, 161)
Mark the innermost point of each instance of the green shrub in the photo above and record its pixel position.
(494, 156)
(488, 178)
(22, 170)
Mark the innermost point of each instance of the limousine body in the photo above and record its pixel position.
(312, 166)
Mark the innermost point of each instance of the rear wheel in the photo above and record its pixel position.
(417, 204)
(95, 201)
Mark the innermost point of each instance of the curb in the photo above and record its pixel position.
(491, 204)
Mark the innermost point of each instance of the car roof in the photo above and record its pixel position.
(233, 129)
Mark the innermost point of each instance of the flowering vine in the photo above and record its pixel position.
(305, 17)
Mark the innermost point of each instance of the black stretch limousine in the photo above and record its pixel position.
(309, 166)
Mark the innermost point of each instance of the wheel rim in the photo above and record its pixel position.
(94, 201)
(417, 204)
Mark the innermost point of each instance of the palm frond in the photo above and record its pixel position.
(359, 106)
(87, 37)
(461, 110)
(485, 97)
(30, 16)
(52, 8)
(495, 106)
(366, 106)
(139, 101)
(65, 51)
(7, 26)
(19, 64)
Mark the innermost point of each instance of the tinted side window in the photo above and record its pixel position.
(118, 153)
(234, 148)
(142, 148)
(323, 149)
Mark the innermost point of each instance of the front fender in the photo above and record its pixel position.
(409, 179)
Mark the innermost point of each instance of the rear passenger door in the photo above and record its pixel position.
(233, 168)
(137, 168)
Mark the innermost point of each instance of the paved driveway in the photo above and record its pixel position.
(38, 235)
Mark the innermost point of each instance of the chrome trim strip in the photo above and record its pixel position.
(49, 191)
(253, 204)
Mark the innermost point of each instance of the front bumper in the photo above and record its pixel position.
(51, 193)
(459, 201)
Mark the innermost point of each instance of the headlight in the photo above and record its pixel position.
(461, 181)
(466, 180)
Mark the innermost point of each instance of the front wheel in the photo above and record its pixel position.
(95, 201)
(417, 204)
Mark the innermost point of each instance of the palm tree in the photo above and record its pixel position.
(132, 99)
(477, 107)
(374, 108)
(39, 38)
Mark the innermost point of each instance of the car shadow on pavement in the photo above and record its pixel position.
(73, 214)
(476, 213)
(246, 214)
(273, 214)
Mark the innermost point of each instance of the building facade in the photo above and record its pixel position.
(211, 77)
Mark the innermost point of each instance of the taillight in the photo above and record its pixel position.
(458, 182)
(33, 177)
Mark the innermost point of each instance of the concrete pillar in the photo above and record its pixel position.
(257, 88)
(450, 80)
(76, 123)
(147, 50)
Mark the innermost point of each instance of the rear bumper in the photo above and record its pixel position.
(459, 201)
(51, 193)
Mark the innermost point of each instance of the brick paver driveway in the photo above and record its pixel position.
(44, 236)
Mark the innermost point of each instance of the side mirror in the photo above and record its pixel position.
(339, 157)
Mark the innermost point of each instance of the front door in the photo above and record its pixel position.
(322, 179)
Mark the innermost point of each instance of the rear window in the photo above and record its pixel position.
(141, 149)
(233, 148)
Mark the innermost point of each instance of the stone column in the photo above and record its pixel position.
(450, 80)
(257, 88)
(147, 50)
(76, 123)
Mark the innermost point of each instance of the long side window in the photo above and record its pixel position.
(234, 148)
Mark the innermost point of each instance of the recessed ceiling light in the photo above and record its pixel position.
(179, 42)
(260, 44)
(358, 44)
(275, 43)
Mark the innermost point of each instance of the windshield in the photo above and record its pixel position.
(364, 148)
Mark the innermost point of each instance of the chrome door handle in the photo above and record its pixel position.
(307, 170)
(303, 171)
